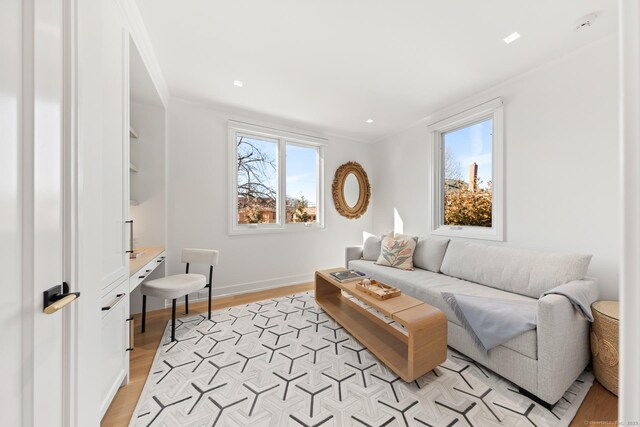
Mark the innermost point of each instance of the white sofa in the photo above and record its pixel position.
(544, 361)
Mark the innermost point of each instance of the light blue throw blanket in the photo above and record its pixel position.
(491, 321)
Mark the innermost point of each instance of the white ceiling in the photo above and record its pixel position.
(334, 63)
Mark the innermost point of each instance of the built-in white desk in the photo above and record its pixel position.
(145, 264)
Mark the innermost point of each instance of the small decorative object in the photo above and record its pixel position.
(351, 190)
(377, 289)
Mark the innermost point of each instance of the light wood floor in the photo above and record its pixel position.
(600, 405)
(146, 345)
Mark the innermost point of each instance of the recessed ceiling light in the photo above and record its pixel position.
(238, 83)
(511, 38)
(369, 121)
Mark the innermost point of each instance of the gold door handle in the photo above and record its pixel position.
(60, 304)
(58, 297)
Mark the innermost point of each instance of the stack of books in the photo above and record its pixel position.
(343, 276)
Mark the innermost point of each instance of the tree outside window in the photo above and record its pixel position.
(277, 182)
(468, 199)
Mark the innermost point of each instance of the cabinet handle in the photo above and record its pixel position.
(130, 222)
(131, 332)
(115, 301)
(141, 277)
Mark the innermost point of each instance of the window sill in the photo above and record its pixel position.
(290, 228)
(479, 233)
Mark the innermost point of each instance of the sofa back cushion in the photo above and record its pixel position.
(520, 271)
(429, 254)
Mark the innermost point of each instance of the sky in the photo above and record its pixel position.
(300, 169)
(301, 172)
(472, 144)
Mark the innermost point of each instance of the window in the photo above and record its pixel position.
(467, 166)
(302, 183)
(276, 180)
(257, 179)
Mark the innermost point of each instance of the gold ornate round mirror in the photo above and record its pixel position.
(351, 190)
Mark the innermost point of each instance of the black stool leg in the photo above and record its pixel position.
(186, 304)
(173, 320)
(144, 312)
(210, 287)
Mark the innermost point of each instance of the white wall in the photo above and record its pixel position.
(198, 207)
(148, 188)
(561, 162)
(148, 185)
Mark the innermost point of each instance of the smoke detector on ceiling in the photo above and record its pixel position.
(585, 22)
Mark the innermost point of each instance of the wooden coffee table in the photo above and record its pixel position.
(410, 353)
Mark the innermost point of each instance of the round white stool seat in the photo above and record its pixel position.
(172, 287)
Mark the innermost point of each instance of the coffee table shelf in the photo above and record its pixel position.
(409, 356)
(390, 350)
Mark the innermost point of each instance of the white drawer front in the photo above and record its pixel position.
(142, 274)
(114, 366)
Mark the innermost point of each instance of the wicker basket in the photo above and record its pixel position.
(604, 344)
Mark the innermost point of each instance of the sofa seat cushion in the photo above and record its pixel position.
(428, 287)
(175, 286)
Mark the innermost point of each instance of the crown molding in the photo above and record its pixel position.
(140, 37)
(238, 113)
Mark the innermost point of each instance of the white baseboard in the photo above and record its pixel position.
(245, 288)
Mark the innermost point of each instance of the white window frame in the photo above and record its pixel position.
(282, 138)
(491, 109)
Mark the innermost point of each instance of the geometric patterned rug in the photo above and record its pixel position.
(284, 362)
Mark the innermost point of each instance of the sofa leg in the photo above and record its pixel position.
(536, 399)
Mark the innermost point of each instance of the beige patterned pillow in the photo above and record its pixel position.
(397, 252)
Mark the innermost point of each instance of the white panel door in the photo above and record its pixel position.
(115, 147)
(32, 200)
(11, 209)
(48, 330)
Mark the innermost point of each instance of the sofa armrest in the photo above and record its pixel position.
(563, 345)
(352, 253)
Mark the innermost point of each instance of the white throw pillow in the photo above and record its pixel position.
(371, 245)
(429, 254)
(371, 248)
